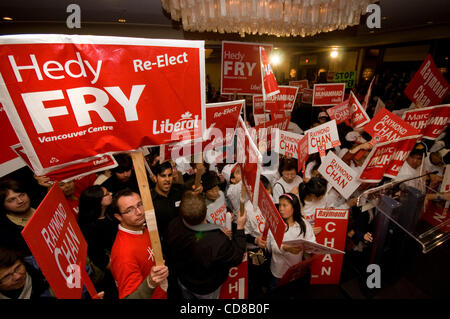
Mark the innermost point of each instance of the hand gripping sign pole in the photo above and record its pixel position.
(150, 218)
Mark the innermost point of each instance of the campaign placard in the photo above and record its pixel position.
(341, 176)
(428, 86)
(261, 118)
(303, 153)
(250, 161)
(358, 117)
(288, 143)
(327, 94)
(241, 70)
(269, 83)
(386, 159)
(9, 161)
(430, 121)
(274, 221)
(312, 248)
(283, 101)
(340, 112)
(96, 95)
(326, 270)
(56, 242)
(263, 134)
(389, 126)
(347, 77)
(297, 271)
(445, 185)
(307, 96)
(325, 135)
(365, 103)
(236, 286)
(258, 104)
(302, 84)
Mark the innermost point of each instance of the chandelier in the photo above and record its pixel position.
(281, 18)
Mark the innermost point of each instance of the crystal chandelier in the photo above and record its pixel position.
(273, 17)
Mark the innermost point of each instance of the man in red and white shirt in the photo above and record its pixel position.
(132, 261)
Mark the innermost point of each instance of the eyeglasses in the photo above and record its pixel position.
(19, 269)
(133, 209)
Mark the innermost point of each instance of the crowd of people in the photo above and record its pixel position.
(199, 245)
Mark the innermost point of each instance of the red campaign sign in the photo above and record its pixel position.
(302, 84)
(307, 96)
(389, 126)
(236, 286)
(340, 112)
(323, 137)
(56, 241)
(241, 70)
(328, 94)
(434, 214)
(258, 105)
(427, 87)
(288, 144)
(9, 161)
(77, 170)
(249, 160)
(326, 270)
(283, 101)
(221, 121)
(269, 83)
(386, 159)
(98, 95)
(431, 121)
(368, 94)
(273, 218)
(261, 118)
(358, 117)
(303, 153)
(263, 133)
(297, 271)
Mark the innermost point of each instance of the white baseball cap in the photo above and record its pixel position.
(322, 114)
(354, 136)
(228, 170)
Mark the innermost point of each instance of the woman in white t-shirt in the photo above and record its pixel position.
(289, 179)
(288, 256)
(312, 196)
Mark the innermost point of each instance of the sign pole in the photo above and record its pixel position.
(150, 218)
(242, 206)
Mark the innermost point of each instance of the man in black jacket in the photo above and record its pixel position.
(200, 253)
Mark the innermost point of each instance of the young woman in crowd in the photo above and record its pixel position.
(289, 178)
(312, 196)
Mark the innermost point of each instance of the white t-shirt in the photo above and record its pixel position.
(278, 190)
(255, 223)
(282, 260)
(408, 172)
(430, 167)
(272, 175)
(309, 209)
(334, 199)
(216, 211)
(234, 197)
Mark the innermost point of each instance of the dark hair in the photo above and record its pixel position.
(293, 200)
(122, 193)
(7, 185)
(8, 257)
(192, 208)
(419, 149)
(265, 182)
(90, 206)
(160, 168)
(287, 164)
(209, 180)
(124, 163)
(316, 186)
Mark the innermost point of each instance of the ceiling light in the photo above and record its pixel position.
(275, 58)
(7, 18)
(334, 53)
(122, 20)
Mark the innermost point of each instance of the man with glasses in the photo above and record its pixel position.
(132, 261)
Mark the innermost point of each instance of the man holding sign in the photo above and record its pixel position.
(132, 261)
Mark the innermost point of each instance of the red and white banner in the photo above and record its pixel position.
(274, 221)
(288, 143)
(340, 112)
(56, 242)
(9, 161)
(312, 248)
(250, 161)
(269, 83)
(326, 270)
(302, 84)
(241, 70)
(430, 121)
(283, 101)
(358, 117)
(445, 185)
(327, 94)
(427, 87)
(303, 153)
(72, 98)
(341, 176)
(297, 271)
(389, 126)
(261, 118)
(368, 94)
(263, 134)
(236, 286)
(307, 96)
(258, 105)
(221, 121)
(436, 215)
(325, 135)
(386, 159)
(74, 171)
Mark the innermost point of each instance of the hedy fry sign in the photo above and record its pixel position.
(96, 95)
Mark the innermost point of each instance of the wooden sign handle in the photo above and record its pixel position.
(242, 206)
(150, 218)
